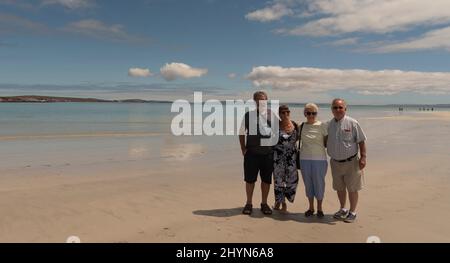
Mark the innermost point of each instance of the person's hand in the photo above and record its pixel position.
(362, 162)
(244, 150)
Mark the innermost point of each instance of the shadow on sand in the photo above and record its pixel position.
(298, 217)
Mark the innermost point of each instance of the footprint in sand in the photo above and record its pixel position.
(168, 233)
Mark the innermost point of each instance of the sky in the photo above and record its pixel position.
(366, 51)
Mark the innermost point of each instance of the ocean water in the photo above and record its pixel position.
(18, 119)
(29, 120)
(87, 133)
(21, 119)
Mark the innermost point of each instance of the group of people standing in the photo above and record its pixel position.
(304, 146)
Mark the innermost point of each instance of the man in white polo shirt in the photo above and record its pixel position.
(345, 139)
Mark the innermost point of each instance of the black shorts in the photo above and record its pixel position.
(254, 163)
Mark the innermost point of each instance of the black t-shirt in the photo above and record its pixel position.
(253, 143)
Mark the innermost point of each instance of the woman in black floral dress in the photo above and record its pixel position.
(285, 169)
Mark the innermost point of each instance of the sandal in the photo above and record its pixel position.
(265, 209)
(309, 213)
(320, 214)
(277, 206)
(248, 209)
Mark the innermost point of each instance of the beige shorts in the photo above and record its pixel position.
(346, 175)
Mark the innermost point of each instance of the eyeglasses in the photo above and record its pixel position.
(308, 113)
(283, 112)
(338, 107)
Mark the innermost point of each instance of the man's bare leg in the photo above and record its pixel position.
(249, 187)
(353, 197)
(342, 195)
(265, 188)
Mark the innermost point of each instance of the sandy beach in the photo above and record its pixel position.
(106, 108)
(192, 190)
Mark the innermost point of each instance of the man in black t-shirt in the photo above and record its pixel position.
(257, 158)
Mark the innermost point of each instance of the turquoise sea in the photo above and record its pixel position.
(29, 119)
(58, 134)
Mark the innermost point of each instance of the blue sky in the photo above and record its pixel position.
(298, 50)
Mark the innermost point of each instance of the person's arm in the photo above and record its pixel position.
(242, 142)
(242, 133)
(297, 130)
(324, 128)
(361, 140)
(362, 151)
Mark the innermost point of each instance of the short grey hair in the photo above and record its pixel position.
(259, 93)
(339, 99)
(312, 106)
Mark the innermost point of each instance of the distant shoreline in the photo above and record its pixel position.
(52, 99)
(55, 99)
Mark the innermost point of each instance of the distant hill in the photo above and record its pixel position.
(49, 99)
(33, 98)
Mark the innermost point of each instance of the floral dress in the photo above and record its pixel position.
(285, 169)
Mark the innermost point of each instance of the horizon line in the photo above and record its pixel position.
(134, 100)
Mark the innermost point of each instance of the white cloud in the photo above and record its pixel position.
(271, 13)
(172, 71)
(97, 29)
(382, 16)
(359, 17)
(435, 39)
(139, 72)
(345, 42)
(232, 75)
(71, 4)
(317, 80)
(366, 92)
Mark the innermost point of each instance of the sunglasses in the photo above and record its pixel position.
(283, 112)
(311, 113)
(338, 107)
